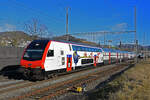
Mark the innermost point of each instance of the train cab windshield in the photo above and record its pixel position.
(35, 50)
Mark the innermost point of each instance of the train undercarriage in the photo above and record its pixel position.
(33, 73)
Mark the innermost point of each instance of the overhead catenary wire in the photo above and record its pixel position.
(102, 32)
(94, 36)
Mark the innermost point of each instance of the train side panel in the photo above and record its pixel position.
(57, 56)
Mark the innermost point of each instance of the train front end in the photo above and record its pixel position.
(32, 62)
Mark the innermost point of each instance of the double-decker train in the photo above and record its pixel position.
(42, 58)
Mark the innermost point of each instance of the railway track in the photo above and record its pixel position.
(11, 84)
(62, 88)
(47, 89)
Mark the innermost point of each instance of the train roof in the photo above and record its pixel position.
(115, 51)
(83, 44)
(110, 50)
(70, 42)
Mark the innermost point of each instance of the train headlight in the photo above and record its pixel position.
(38, 67)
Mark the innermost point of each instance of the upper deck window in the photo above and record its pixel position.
(89, 49)
(38, 44)
(50, 53)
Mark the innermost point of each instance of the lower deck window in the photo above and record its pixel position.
(86, 61)
(63, 60)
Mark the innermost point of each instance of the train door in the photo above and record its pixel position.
(95, 60)
(50, 60)
(117, 58)
(109, 57)
(61, 58)
(69, 62)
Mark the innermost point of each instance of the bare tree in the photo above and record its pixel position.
(35, 28)
(43, 31)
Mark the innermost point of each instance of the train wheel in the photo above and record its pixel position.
(46, 77)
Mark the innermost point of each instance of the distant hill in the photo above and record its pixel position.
(14, 34)
(14, 38)
(21, 39)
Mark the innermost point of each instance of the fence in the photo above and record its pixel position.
(10, 56)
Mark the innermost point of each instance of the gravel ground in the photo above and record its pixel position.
(7, 82)
(90, 87)
(15, 85)
(24, 90)
(3, 79)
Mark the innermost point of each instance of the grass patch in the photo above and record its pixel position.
(134, 84)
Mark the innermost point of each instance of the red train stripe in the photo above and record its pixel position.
(109, 58)
(45, 53)
(34, 64)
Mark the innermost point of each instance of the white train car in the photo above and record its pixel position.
(131, 55)
(118, 55)
(110, 56)
(125, 55)
(113, 56)
(43, 57)
(106, 56)
(121, 55)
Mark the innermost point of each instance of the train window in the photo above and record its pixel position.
(63, 60)
(83, 48)
(86, 61)
(69, 47)
(74, 48)
(50, 53)
(93, 50)
(62, 52)
(96, 50)
(90, 49)
(79, 49)
(86, 49)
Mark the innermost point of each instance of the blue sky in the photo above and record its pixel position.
(84, 16)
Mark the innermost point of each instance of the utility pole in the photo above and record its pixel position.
(136, 42)
(99, 43)
(120, 45)
(67, 34)
(104, 39)
(144, 49)
(147, 49)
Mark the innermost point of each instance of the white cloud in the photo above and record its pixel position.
(7, 27)
(120, 27)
